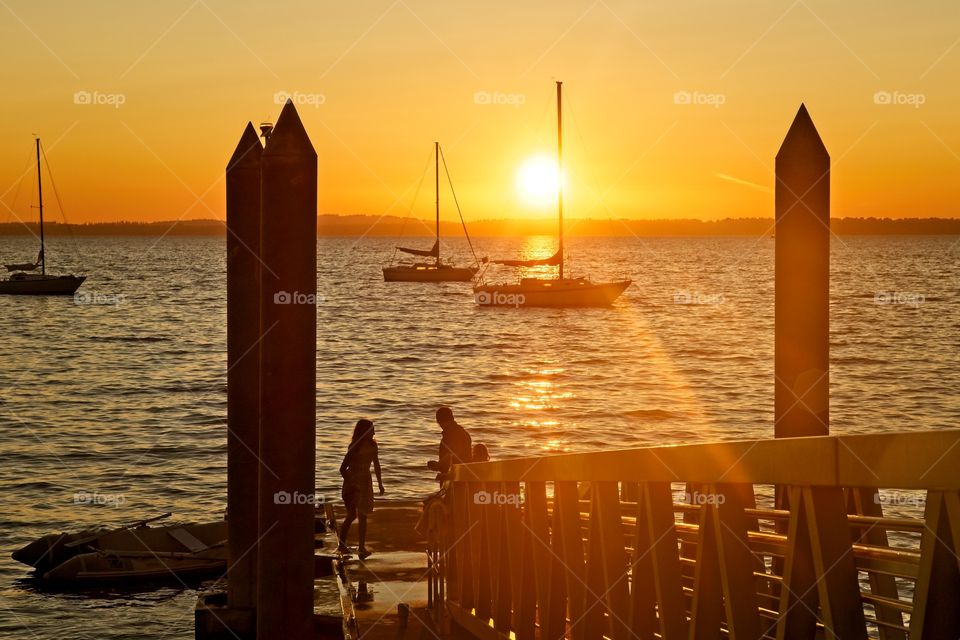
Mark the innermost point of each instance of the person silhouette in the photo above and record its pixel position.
(480, 453)
(357, 489)
(455, 444)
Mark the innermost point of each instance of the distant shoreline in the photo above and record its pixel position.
(393, 226)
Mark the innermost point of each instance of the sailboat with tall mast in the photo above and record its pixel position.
(550, 292)
(23, 281)
(437, 270)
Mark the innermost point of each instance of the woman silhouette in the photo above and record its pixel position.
(358, 484)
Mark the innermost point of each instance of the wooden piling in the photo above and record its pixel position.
(243, 367)
(288, 334)
(802, 281)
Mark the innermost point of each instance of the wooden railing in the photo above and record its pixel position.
(691, 542)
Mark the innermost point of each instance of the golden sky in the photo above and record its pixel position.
(673, 109)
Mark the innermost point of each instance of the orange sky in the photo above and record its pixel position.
(378, 81)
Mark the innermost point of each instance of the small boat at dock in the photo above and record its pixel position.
(129, 554)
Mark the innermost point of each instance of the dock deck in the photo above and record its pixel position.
(385, 595)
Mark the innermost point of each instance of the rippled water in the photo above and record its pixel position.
(127, 400)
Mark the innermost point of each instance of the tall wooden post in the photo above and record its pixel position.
(243, 368)
(802, 282)
(288, 333)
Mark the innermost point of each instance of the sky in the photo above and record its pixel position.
(673, 109)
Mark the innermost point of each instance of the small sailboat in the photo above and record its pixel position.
(435, 270)
(550, 292)
(23, 280)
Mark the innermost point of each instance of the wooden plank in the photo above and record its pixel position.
(831, 547)
(459, 553)
(798, 595)
(750, 461)
(613, 558)
(661, 534)
(594, 605)
(914, 460)
(936, 613)
(707, 606)
(566, 513)
(479, 553)
(736, 561)
(497, 544)
(918, 460)
(643, 595)
(523, 588)
(551, 589)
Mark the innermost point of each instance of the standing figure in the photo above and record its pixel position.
(358, 483)
(455, 444)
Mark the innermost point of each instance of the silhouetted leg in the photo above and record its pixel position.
(345, 528)
(362, 549)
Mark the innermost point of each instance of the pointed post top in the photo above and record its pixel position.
(289, 137)
(802, 139)
(248, 151)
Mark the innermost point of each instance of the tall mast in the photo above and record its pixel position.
(560, 170)
(43, 255)
(436, 180)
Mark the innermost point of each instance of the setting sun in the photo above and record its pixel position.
(538, 179)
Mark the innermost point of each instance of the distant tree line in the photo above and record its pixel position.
(366, 225)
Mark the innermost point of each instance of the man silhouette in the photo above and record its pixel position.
(455, 444)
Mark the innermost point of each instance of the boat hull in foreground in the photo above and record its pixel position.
(109, 567)
(28, 284)
(533, 292)
(128, 554)
(428, 273)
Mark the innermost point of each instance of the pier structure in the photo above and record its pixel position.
(802, 535)
(781, 538)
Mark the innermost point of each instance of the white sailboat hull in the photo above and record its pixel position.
(534, 292)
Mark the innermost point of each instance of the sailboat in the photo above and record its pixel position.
(550, 292)
(23, 281)
(436, 270)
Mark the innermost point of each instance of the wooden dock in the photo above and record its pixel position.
(385, 595)
(686, 541)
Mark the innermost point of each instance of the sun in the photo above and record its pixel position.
(538, 180)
